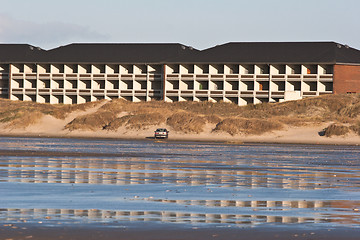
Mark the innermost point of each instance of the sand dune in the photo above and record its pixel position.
(292, 122)
(49, 126)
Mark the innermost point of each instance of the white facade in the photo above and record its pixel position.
(238, 83)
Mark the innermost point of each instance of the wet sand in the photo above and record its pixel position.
(101, 189)
(23, 231)
(38, 153)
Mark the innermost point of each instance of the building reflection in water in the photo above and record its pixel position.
(166, 216)
(135, 171)
(254, 174)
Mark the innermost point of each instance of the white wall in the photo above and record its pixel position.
(290, 96)
(29, 68)
(126, 69)
(43, 68)
(197, 69)
(57, 68)
(213, 69)
(17, 68)
(274, 70)
(183, 70)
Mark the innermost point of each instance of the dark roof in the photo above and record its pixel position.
(150, 53)
(279, 52)
(16, 53)
(119, 53)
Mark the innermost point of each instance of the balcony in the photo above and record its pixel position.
(71, 76)
(172, 77)
(85, 76)
(30, 90)
(248, 76)
(31, 76)
(216, 92)
(202, 77)
(142, 91)
(202, 92)
(233, 77)
(44, 76)
(247, 93)
(278, 77)
(112, 77)
(4, 75)
(326, 77)
(217, 76)
(172, 92)
(309, 93)
(4, 91)
(44, 90)
(112, 92)
(262, 93)
(127, 77)
(294, 77)
(263, 77)
(17, 76)
(58, 76)
(325, 93)
(187, 92)
(310, 77)
(187, 76)
(140, 77)
(85, 91)
(17, 91)
(98, 92)
(99, 76)
(278, 93)
(57, 91)
(155, 93)
(71, 91)
(155, 77)
(126, 92)
(232, 93)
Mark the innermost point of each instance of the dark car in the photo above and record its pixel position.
(161, 133)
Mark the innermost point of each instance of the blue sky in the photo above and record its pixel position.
(197, 23)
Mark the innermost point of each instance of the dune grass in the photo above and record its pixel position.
(336, 130)
(253, 126)
(20, 114)
(191, 117)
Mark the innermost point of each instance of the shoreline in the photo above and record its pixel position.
(191, 138)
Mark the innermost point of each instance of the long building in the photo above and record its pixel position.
(242, 73)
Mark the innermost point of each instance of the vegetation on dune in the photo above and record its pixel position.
(91, 122)
(186, 122)
(191, 117)
(117, 123)
(235, 126)
(356, 128)
(20, 114)
(336, 130)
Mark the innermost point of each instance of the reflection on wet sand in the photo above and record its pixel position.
(192, 183)
(53, 215)
(137, 171)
